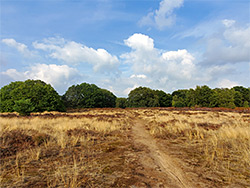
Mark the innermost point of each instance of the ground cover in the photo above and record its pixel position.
(150, 147)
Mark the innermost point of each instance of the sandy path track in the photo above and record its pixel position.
(157, 163)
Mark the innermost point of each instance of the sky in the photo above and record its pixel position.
(123, 44)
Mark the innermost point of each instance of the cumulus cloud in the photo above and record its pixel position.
(162, 69)
(22, 48)
(162, 17)
(142, 65)
(139, 41)
(59, 76)
(75, 53)
(180, 60)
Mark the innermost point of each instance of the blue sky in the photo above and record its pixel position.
(122, 44)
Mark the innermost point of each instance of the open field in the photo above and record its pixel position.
(151, 147)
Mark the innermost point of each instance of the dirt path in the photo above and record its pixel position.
(157, 164)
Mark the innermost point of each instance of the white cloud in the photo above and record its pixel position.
(182, 61)
(76, 53)
(225, 83)
(163, 17)
(22, 48)
(222, 41)
(143, 65)
(139, 41)
(59, 76)
(162, 69)
(228, 23)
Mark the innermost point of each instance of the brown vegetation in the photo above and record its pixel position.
(95, 147)
(66, 150)
(216, 145)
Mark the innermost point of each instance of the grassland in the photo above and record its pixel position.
(215, 145)
(85, 149)
(95, 148)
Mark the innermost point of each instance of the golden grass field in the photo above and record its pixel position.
(95, 148)
(216, 144)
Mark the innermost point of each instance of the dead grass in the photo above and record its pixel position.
(88, 149)
(215, 144)
(93, 148)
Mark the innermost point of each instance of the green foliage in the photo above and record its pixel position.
(121, 103)
(191, 98)
(203, 96)
(42, 96)
(181, 93)
(24, 107)
(238, 99)
(143, 97)
(223, 98)
(244, 98)
(178, 102)
(180, 98)
(246, 104)
(37, 96)
(88, 96)
(165, 100)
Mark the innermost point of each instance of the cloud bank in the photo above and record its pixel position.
(145, 64)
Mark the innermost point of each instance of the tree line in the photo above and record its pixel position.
(37, 96)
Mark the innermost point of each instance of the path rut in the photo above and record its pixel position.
(156, 161)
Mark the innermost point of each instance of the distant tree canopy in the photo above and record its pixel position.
(203, 96)
(37, 96)
(165, 100)
(88, 96)
(29, 96)
(143, 97)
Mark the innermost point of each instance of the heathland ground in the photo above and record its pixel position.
(137, 147)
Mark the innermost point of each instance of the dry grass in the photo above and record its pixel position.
(85, 149)
(215, 143)
(92, 148)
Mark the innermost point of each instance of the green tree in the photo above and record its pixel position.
(238, 99)
(190, 98)
(178, 101)
(42, 96)
(121, 103)
(222, 98)
(203, 96)
(143, 97)
(24, 107)
(180, 98)
(245, 92)
(88, 96)
(165, 100)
